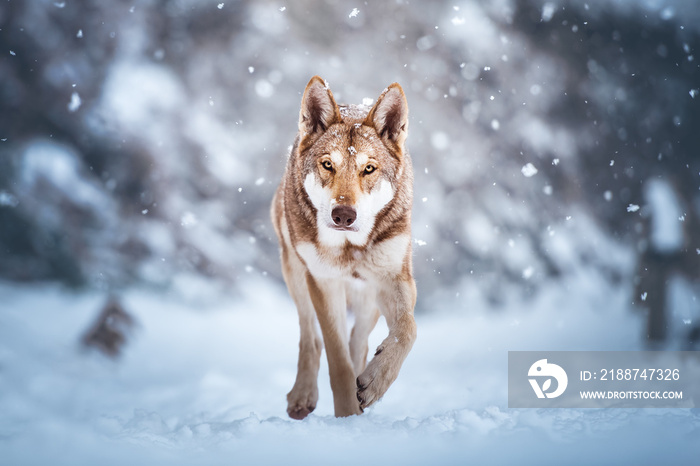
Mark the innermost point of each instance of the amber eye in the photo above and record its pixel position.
(327, 165)
(369, 169)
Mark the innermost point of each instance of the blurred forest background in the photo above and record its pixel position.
(141, 142)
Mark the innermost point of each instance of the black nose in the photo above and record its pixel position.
(343, 215)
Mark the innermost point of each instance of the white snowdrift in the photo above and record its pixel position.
(208, 386)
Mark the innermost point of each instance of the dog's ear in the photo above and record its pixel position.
(318, 108)
(389, 116)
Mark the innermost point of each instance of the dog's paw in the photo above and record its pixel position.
(299, 412)
(376, 379)
(301, 402)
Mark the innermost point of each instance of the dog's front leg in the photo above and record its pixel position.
(397, 298)
(301, 400)
(363, 302)
(328, 297)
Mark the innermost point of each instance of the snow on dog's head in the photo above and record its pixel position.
(352, 156)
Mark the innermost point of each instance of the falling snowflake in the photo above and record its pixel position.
(74, 103)
(529, 170)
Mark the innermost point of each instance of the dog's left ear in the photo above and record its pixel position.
(389, 116)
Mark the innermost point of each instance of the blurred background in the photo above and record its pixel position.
(141, 143)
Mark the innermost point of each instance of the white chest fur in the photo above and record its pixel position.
(372, 262)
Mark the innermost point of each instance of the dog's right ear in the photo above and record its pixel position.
(318, 108)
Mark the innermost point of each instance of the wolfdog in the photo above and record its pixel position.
(342, 214)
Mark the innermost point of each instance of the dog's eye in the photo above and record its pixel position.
(369, 169)
(327, 165)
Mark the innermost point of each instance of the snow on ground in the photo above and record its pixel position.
(207, 384)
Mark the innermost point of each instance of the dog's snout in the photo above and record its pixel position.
(343, 215)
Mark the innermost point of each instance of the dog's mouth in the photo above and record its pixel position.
(335, 227)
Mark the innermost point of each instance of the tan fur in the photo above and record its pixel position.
(355, 158)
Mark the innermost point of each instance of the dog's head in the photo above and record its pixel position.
(353, 158)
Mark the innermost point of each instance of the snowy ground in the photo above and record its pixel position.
(207, 386)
